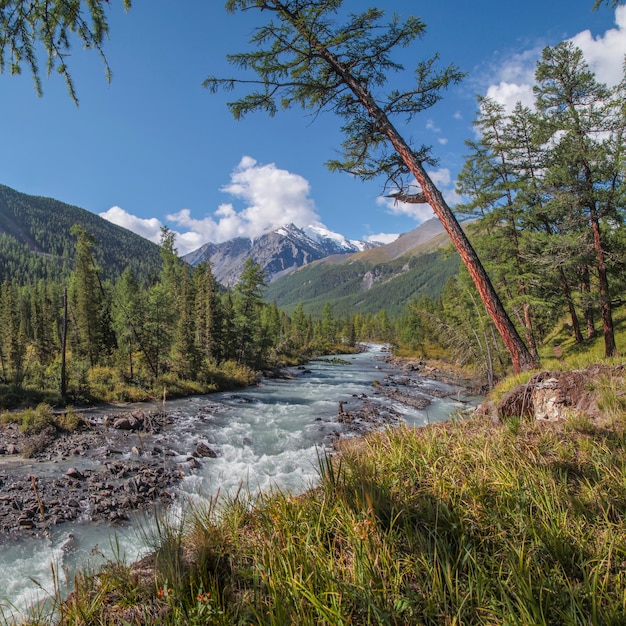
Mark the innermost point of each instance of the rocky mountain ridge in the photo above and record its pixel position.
(278, 252)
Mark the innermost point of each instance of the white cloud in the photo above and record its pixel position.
(432, 127)
(509, 94)
(272, 197)
(604, 54)
(148, 228)
(382, 237)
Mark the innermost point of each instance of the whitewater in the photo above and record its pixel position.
(266, 437)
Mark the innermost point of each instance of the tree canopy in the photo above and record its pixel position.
(26, 26)
(302, 55)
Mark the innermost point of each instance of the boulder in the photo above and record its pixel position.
(203, 450)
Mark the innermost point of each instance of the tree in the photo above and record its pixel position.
(90, 302)
(27, 26)
(129, 312)
(582, 122)
(209, 313)
(305, 59)
(247, 302)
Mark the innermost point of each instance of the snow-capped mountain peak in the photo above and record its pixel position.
(278, 252)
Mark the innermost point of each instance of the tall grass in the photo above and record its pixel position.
(462, 523)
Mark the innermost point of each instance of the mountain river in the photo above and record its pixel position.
(268, 436)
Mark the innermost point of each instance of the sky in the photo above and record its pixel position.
(153, 148)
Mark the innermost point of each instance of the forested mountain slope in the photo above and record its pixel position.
(35, 240)
(278, 252)
(387, 277)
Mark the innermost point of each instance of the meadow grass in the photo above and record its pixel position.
(457, 523)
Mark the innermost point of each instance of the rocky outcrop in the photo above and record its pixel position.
(556, 395)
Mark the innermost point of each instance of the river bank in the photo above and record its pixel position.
(119, 461)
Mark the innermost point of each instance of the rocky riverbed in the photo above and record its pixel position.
(111, 465)
(119, 461)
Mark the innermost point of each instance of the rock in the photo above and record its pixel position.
(72, 472)
(127, 422)
(203, 450)
(553, 395)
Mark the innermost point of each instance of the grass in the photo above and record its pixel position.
(35, 420)
(458, 523)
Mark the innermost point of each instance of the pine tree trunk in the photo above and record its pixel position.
(578, 336)
(585, 289)
(603, 287)
(520, 355)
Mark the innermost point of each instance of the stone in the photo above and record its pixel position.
(203, 450)
(72, 472)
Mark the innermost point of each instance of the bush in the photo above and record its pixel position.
(31, 421)
(69, 421)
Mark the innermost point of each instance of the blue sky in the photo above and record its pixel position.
(154, 148)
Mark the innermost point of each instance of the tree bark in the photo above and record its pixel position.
(603, 288)
(520, 355)
(578, 336)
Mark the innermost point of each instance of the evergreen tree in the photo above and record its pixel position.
(305, 59)
(90, 302)
(186, 356)
(247, 304)
(13, 337)
(208, 314)
(299, 327)
(490, 179)
(328, 327)
(582, 123)
(129, 313)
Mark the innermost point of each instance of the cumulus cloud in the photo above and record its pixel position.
(382, 237)
(271, 197)
(604, 55)
(148, 228)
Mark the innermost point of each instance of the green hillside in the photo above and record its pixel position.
(35, 240)
(357, 285)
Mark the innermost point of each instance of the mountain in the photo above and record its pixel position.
(35, 240)
(279, 252)
(387, 277)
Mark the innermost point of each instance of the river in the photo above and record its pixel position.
(268, 436)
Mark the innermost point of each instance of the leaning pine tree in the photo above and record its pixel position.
(301, 56)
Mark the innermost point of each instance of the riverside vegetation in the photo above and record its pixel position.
(520, 522)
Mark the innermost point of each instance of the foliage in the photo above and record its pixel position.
(35, 242)
(547, 187)
(464, 522)
(27, 27)
(31, 421)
